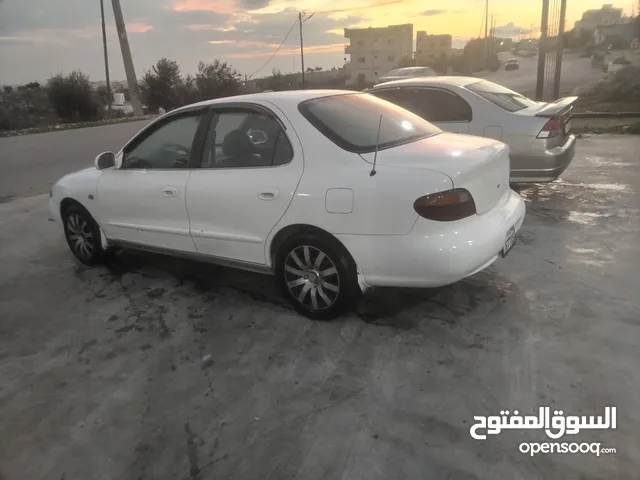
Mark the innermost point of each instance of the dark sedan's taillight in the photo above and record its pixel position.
(552, 128)
(446, 206)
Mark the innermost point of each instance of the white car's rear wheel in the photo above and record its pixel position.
(83, 235)
(318, 276)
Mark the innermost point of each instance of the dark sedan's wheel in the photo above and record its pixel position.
(83, 235)
(318, 276)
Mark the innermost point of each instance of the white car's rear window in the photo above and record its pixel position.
(351, 121)
(503, 97)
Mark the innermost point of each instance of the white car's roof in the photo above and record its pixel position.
(430, 81)
(295, 96)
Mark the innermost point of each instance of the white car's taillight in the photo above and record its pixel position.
(552, 128)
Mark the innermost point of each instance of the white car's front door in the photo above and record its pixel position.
(251, 167)
(143, 201)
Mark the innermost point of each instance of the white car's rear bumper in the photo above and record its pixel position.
(436, 253)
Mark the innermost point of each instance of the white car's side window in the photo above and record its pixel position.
(245, 138)
(168, 146)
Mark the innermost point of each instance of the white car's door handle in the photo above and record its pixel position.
(169, 192)
(270, 194)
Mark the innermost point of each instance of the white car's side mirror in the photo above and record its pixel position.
(105, 160)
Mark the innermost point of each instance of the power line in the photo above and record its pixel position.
(373, 5)
(295, 22)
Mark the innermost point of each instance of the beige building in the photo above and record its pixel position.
(375, 51)
(607, 15)
(430, 48)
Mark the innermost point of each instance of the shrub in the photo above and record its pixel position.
(72, 98)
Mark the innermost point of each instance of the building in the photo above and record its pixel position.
(430, 48)
(618, 36)
(607, 15)
(375, 51)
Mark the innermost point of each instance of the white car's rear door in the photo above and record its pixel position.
(251, 166)
(143, 201)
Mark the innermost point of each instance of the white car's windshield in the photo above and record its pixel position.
(351, 121)
(503, 97)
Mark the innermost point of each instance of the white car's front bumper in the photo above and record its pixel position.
(436, 253)
(54, 208)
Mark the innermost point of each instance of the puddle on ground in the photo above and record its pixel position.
(589, 256)
(586, 218)
(611, 187)
(606, 161)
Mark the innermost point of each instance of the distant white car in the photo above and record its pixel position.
(408, 72)
(512, 64)
(538, 133)
(330, 191)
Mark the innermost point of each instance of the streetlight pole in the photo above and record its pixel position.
(106, 59)
(300, 21)
(132, 82)
(301, 47)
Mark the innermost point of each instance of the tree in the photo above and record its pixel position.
(72, 97)
(318, 69)
(441, 64)
(161, 86)
(188, 91)
(102, 95)
(475, 53)
(309, 69)
(217, 79)
(8, 89)
(275, 82)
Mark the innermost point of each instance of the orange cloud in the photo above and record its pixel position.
(203, 27)
(217, 6)
(139, 27)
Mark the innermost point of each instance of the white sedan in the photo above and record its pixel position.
(330, 191)
(538, 134)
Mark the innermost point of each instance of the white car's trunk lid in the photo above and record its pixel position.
(479, 165)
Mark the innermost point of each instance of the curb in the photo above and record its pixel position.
(72, 126)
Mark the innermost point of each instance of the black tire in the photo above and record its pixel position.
(297, 269)
(83, 235)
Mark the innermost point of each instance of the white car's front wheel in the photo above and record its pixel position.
(83, 235)
(318, 276)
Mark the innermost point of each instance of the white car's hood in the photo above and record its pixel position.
(86, 178)
(480, 165)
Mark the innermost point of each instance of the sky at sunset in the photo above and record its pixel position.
(43, 37)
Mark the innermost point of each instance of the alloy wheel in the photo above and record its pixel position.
(80, 236)
(312, 277)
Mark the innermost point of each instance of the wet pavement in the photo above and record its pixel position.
(154, 368)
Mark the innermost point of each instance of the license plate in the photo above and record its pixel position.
(509, 242)
(567, 127)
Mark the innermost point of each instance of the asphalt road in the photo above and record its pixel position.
(153, 368)
(575, 72)
(30, 164)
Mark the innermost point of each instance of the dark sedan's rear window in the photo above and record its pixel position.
(503, 97)
(351, 121)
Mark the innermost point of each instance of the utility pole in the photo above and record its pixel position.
(560, 47)
(132, 82)
(106, 59)
(486, 34)
(301, 47)
(542, 50)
